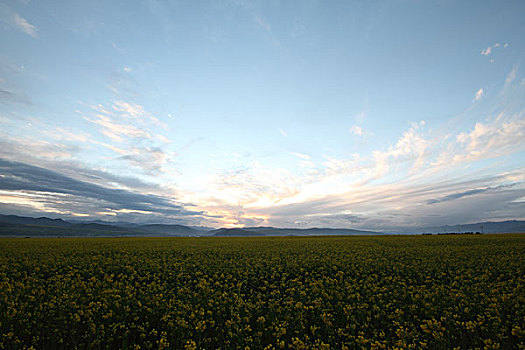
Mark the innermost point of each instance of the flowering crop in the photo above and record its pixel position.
(378, 292)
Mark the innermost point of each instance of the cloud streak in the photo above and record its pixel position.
(22, 24)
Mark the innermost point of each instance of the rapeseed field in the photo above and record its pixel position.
(378, 292)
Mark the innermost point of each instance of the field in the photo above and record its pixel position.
(436, 292)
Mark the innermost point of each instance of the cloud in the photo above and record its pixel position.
(356, 130)
(283, 133)
(487, 140)
(457, 195)
(424, 178)
(410, 147)
(255, 185)
(117, 131)
(479, 95)
(401, 205)
(489, 50)
(58, 191)
(510, 78)
(418, 180)
(133, 119)
(22, 24)
(61, 158)
(301, 155)
(133, 134)
(148, 158)
(25, 146)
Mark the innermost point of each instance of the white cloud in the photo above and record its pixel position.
(132, 132)
(25, 26)
(118, 130)
(132, 109)
(283, 132)
(356, 130)
(489, 50)
(301, 155)
(479, 94)
(127, 69)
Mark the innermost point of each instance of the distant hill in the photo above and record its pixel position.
(272, 231)
(510, 226)
(23, 220)
(234, 232)
(13, 225)
(27, 226)
(168, 229)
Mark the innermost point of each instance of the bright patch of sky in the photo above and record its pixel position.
(361, 114)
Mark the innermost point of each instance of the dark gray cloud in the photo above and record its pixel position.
(34, 154)
(16, 176)
(458, 195)
(150, 159)
(453, 196)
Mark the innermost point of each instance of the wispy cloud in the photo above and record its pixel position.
(356, 130)
(301, 155)
(503, 136)
(22, 24)
(148, 158)
(130, 130)
(118, 131)
(479, 94)
(16, 147)
(510, 78)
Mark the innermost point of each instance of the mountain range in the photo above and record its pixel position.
(13, 225)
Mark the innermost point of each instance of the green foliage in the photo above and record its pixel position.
(321, 292)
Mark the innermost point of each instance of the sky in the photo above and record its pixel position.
(374, 115)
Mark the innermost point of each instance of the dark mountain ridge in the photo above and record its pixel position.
(509, 226)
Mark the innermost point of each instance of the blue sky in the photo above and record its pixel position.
(362, 114)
